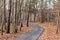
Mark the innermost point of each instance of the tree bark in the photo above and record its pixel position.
(8, 25)
(5, 18)
(20, 12)
(14, 18)
(57, 24)
(28, 19)
(34, 17)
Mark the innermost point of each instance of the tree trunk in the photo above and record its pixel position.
(14, 18)
(5, 20)
(57, 24)
(28, 19)
(42, 15)
(8, 25)
(2, 24)
(34, 17)
(20, 11)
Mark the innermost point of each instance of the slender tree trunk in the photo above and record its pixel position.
(21, 19)
(2, 24)
(14, 20)
(57, 24)
(42, 15)
(28, 20)
(8, 25)
(28, 14)
(5, 20)
(20, 12)
(34, 17)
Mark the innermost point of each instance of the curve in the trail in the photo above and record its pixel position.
(31, 35)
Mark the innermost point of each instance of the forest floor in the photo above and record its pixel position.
(12, 35)
(48, 34)
(50, 31)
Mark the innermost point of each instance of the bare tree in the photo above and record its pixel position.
(2, 24)
(14, 20)
(57, 23)
(9, 14)
(20, 13)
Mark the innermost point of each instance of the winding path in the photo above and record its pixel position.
(31, 35)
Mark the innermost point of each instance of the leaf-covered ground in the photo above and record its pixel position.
(50, 31)
(12, 35)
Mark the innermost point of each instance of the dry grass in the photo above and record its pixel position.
(50, 31)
